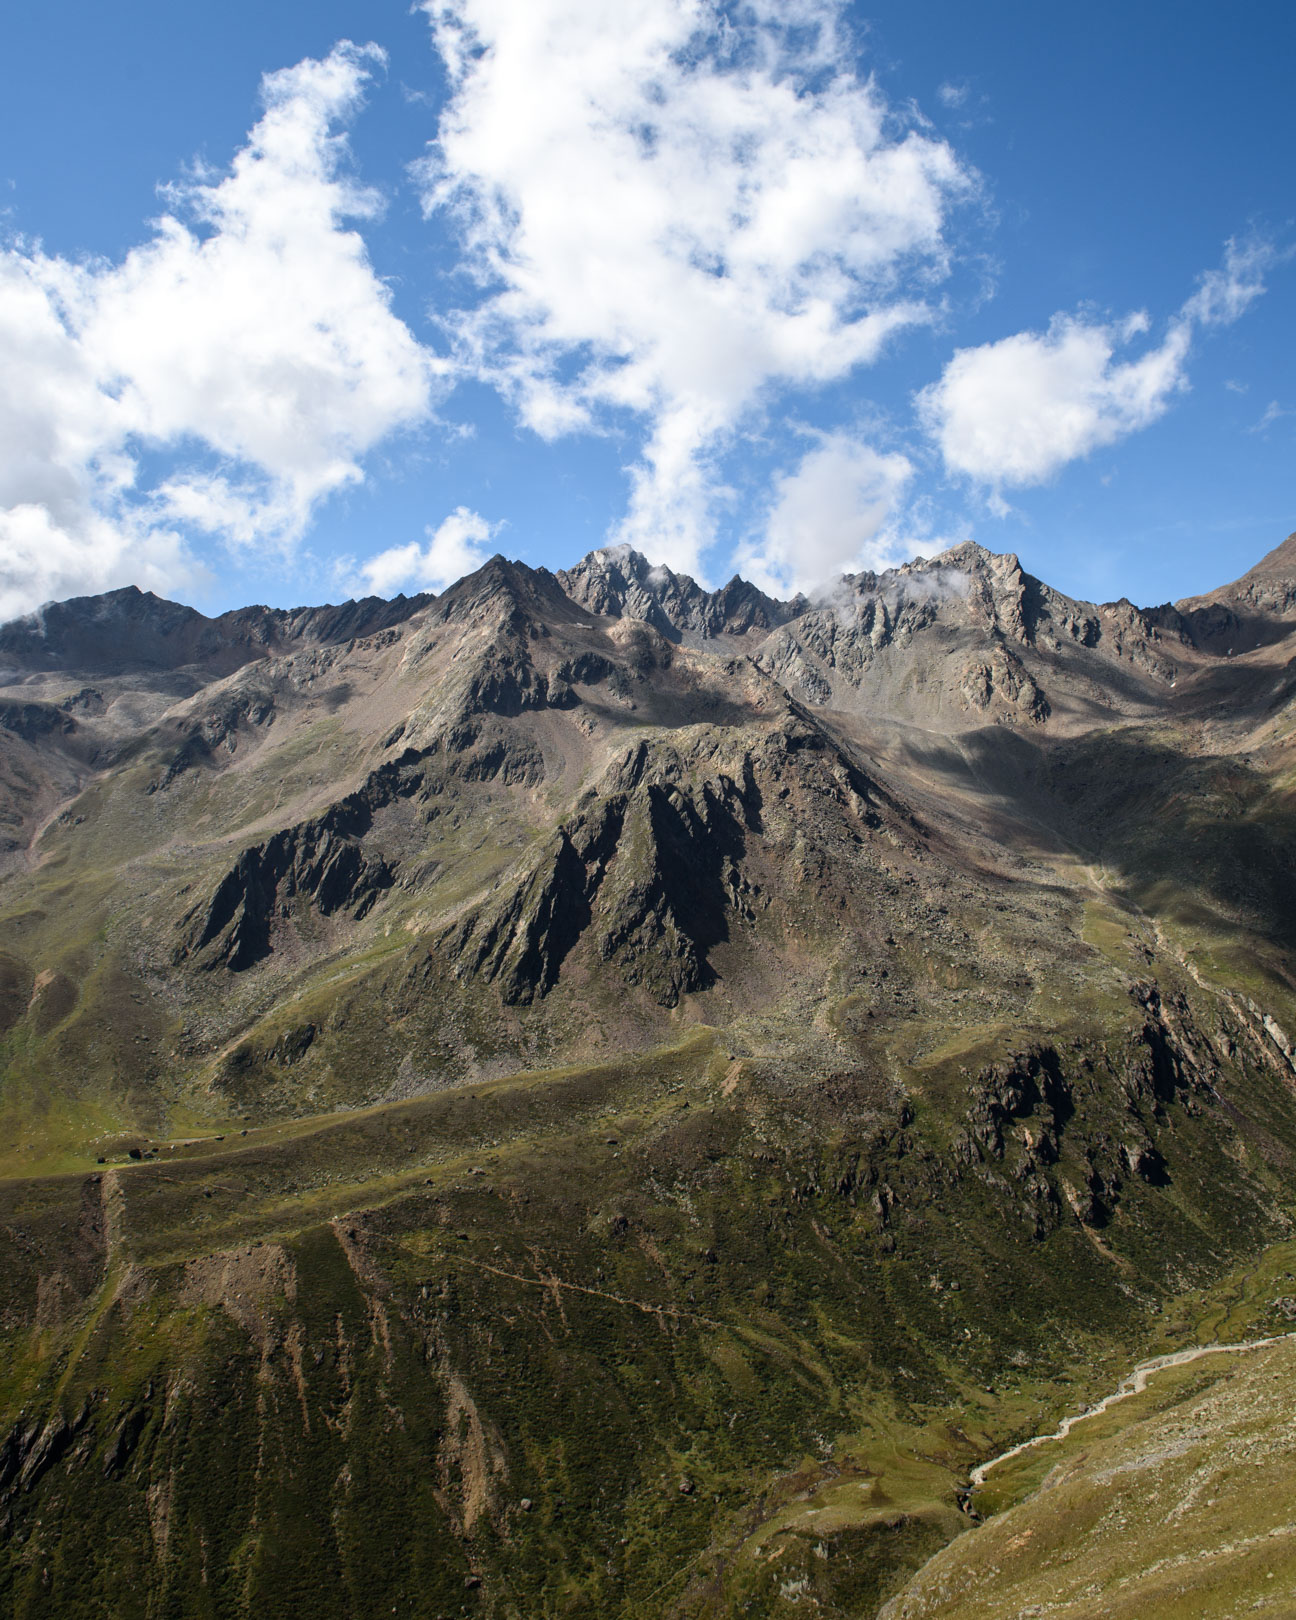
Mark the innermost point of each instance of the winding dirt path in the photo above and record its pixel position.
(551, 1283)
(1135, 1384)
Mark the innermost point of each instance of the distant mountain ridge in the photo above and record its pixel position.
(357, 726)
(130, 628)
(87, 633)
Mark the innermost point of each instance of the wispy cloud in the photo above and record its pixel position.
(1273, 412)
(672, 210)
(249, 336)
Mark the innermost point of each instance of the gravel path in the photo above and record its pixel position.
(1135, 1384)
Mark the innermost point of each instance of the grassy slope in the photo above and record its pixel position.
(1173, 1505)
(734, 1331)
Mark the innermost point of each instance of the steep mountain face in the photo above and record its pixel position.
(134, 657)
(593, 1096)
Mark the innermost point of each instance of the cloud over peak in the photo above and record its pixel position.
(670, 211)
(454, 548)
(831, 514)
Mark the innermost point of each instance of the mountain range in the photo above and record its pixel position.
(585, 1095)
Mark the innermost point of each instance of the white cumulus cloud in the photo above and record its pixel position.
(249, 337)
(1014, 412)
(831, 515)
(673, 207)
(454, 548)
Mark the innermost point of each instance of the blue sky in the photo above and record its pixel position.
(783, 288)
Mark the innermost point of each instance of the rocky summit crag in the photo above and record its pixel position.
(584, 1095)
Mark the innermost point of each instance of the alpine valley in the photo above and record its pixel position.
(585, 1096)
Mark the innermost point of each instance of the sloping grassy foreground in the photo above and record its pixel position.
(1176, 1504)
(679, 1336)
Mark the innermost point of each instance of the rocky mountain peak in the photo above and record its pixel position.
(619, 582)
(522, 594)
(130, 631)
(102, 633)
(1278, 564)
